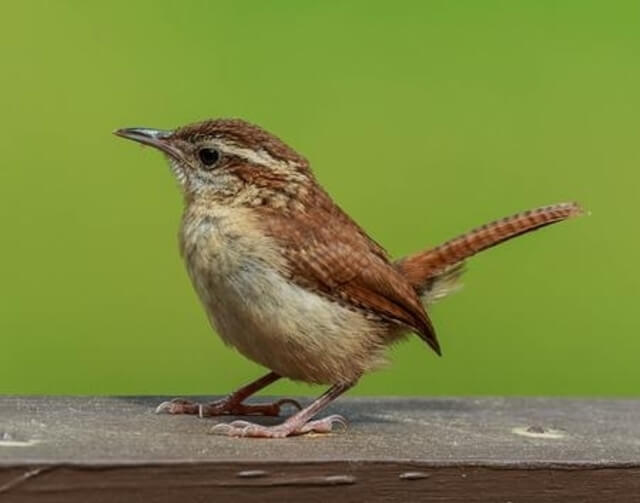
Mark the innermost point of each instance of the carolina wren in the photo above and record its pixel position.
(289, 279)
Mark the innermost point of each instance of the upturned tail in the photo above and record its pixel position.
(434, 272)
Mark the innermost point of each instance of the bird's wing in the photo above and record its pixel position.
(329, 253)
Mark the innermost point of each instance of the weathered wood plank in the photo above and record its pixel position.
(449, 449)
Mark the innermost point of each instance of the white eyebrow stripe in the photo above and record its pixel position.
(260, 157)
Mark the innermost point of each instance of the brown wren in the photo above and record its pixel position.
(289, 279)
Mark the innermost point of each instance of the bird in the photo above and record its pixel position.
(290, 280)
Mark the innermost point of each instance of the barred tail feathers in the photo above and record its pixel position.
(434, 272)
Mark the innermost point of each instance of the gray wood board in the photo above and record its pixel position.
(491, 432)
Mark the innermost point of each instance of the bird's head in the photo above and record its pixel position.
(229, 160)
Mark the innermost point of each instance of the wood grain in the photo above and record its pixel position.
(55, 449)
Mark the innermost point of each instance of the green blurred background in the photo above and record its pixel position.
(422, 119)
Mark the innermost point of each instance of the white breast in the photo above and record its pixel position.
(237, 273)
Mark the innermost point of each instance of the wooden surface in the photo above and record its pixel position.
(460, 449)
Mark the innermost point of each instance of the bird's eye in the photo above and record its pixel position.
(209, 156)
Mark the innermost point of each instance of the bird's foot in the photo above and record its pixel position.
(225, 407)
(289, 428)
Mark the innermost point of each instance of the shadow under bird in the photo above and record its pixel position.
(289, 279)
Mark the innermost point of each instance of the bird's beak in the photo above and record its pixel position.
(157, 138)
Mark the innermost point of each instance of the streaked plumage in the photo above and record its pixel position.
(288, 278)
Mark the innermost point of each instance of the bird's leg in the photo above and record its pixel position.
(297, 424)
(232, 404)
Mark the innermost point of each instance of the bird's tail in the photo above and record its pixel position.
(434, 273)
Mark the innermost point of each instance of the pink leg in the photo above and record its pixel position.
(232, 404)
(298, 424)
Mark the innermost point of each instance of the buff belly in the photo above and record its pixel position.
(239, 278)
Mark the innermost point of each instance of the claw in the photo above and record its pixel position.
(172, 406)
(224, 407)
(162, 408)
(324, 425)
(220, 429)
(246, 429)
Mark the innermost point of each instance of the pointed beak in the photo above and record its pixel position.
(157, 138)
